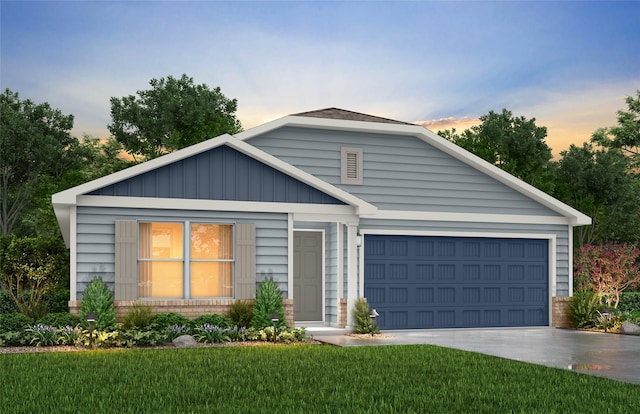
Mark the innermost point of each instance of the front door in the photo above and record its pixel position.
(307, 277)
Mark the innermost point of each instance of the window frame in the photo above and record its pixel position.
(187, 260)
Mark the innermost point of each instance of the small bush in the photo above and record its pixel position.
(14, 322)
(99, 300)
(43, 335)
(164, 321)
(210, 334)
(361, 317)
(584, 309)
(214, 319)
(60, 320)
(629, 301)
(144, 337)
(69, 335)
(268, 301)
(57, 300)
(241, 313)
(7, 305)
(139, 317)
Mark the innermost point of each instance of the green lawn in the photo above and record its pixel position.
(299, 379)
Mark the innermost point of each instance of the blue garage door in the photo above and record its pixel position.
(417, 282)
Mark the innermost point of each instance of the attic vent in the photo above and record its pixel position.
(351, 165)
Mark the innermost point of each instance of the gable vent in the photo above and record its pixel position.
(351, 165)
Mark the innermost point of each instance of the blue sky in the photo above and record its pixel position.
(568, 64)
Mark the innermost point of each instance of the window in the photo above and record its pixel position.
(351, 165)
(169, 267)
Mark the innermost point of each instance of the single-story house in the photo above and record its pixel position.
(334, 206)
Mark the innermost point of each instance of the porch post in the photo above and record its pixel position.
(352, 271)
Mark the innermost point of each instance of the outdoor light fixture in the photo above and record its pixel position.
(358, 240)
(373, 315)
(91, 318)
(275, 318)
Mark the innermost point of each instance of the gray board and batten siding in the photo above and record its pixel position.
(400, 172)
(222, 173)
(95, 255)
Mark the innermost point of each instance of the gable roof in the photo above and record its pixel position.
(574, 216)
(337, 113)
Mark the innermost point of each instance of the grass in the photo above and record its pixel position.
(299, 379)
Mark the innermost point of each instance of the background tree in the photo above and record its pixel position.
(597, 182)
(515, 144)
(173, 114)
(34, 142)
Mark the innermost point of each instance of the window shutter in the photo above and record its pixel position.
(245, 274)
(351, 165)
(126, 286)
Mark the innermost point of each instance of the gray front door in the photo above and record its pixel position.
(307, 276)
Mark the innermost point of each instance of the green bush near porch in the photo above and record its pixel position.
(296, 379)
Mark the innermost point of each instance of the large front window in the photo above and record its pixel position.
(185, 260)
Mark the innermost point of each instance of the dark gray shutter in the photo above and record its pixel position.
(245, 274)
(126, 286)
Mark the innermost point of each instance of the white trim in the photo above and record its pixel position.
(466, 217)
(73, 253)
(570, 261)
(339, 263)
(352, 271)
(326, 216)
(575, 217)
(552, 250)
(323, 249)
(211, 205)
(290, 269)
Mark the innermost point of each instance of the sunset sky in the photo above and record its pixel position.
(568, 64)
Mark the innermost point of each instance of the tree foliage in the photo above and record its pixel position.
(34, 142)
(597, 182)
(515, 144)
(99, 300)
(268, 301)
(173, 114)
(30, 268)
(608, 270)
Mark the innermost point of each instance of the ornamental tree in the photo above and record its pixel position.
(608, 270)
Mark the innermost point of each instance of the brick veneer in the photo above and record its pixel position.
(342, 313)
(190, 308)
(559, 311)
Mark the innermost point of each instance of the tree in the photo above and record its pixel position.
(34, 142)
(625, 135)
(30, 268)
(597, 182)
(515, 144)
(173, 114)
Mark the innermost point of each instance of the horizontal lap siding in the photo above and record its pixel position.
(485, 229)
(400, 173)
(96, 240)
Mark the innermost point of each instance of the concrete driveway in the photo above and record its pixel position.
(607, 355)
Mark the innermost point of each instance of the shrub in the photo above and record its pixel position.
(629, 301)
(7, 305)
(144, 337)
(14, 322)
(69, 335)
(138, 317)
(607, 269)
(241, 313)
(176, 330)
(584, 309)
(101, 339)
(214, 319)
(60, 320)
(361, 317)
(99, 300)
(57, 300)
(268, 301)
(210, 334)
(43, 335)
(164, 321)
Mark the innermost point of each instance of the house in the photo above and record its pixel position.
(333, 205)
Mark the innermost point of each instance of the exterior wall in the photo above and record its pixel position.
(400, 172)
(96, 240)
(559, 312)
(220, 174)
(452, 228)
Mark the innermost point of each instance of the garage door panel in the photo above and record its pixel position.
(457, 282)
